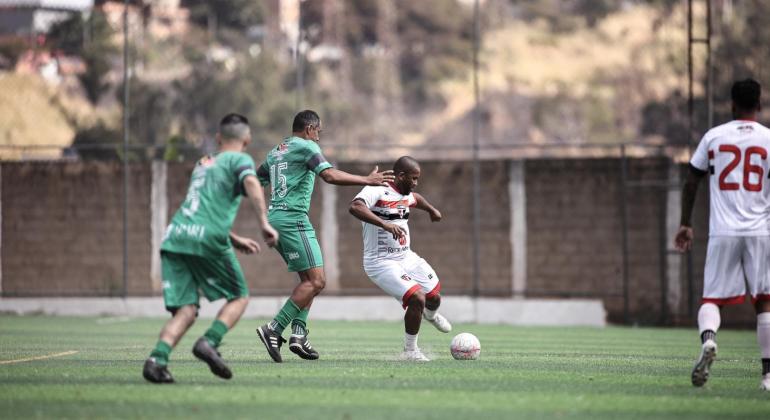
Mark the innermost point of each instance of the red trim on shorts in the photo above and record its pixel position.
(760, 298)
(436, 290)
(412, 290)
(725, 301)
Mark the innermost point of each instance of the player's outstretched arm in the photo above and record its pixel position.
(359, 209)
(683, 239)
(423, 204)
(338, 177)
(257, 199)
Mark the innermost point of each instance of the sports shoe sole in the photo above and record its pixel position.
(700, 372)
(263, 339)
(297, 349)
(218, 367)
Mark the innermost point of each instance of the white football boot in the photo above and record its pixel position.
(414, 355)
(765, 384)
(438, 321)
(700, 372)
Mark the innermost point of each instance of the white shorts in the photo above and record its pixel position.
(736, 266)
(403, 277)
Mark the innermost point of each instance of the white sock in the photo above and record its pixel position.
(410, 342)
(708, 318)
(428, 314)
(763, 334)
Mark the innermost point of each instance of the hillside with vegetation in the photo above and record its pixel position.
(385, 72)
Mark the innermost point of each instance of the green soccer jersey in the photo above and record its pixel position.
(290, 169)
(202, 224)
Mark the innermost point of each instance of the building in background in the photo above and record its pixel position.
(29, 18)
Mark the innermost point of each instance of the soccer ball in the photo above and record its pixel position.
(465, 346)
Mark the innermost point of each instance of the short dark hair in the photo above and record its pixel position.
(745, 94)
(234, 127)
(305, 119)
(233, 118)
(405, 164)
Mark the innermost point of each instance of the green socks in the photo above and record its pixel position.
(215, 333)
(284, 317)
(161, 352)
(299, 324)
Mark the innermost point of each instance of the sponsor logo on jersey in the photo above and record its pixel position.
(397, 250)
(207, 161)
(279, 151)
(745, 129)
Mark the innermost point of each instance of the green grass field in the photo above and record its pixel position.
(522, 373)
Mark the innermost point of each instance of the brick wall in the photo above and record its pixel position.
(63, 229)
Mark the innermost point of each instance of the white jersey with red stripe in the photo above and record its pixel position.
(736, 155)
(393, 207)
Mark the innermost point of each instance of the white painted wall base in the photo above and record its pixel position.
(572, 312)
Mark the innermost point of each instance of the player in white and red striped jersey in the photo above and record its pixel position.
(388, 259)
(737, 156)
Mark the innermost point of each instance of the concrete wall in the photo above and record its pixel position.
(62, 233)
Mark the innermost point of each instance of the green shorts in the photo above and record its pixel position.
(297, 244)
(186, 276)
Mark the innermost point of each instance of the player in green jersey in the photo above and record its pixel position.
(290, 168)
(197, 250)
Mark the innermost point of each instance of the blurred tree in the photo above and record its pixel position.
(98, 142)
(235, 14)
(738, 30)
(90, 39)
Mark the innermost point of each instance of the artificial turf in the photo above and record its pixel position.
(523, 372)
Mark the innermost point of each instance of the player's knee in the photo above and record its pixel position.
(417, 301)
(433, 301)
(239, 301)
(762, 306)
(186, 312)
(318, 284)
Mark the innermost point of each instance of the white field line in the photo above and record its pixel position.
(30, 359)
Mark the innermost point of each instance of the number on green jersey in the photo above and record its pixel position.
(278, 180)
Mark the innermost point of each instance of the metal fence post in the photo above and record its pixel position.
(476, 164)
(125, 148)
(624, 235)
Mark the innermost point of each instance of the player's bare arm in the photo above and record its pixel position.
(257, 199)
(423, 204)
(244, 245)
(683, 239)
(359, 209)
(338, 177)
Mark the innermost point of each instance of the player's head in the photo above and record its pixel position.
(407, 172)
(745, 95)
(234, 130)
(307, 124)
